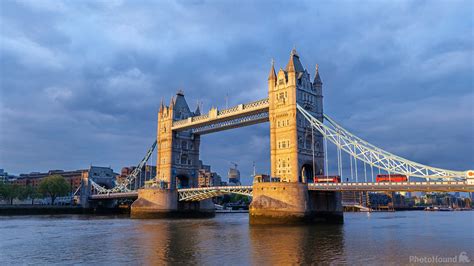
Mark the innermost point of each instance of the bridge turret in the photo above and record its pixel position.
(294, 68)
(180, 107)
(198, 110)
(317, 79)
(318, 88)
(172, 101)
(162, 105)
(272, 76)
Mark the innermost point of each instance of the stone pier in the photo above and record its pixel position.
(163, 203)
(290, 203)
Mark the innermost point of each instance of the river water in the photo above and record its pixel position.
(228, 239)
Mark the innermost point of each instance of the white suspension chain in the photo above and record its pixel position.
(375, 156)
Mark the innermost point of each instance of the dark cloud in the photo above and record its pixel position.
(81, 81)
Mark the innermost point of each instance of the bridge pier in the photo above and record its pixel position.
(293, 203)
(164, 203)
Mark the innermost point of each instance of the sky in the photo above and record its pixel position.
(81, 81)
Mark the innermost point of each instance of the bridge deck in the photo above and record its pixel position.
(444, 186)
(110, 196)
(196, 194)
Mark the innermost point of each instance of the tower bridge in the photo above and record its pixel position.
(299, 136)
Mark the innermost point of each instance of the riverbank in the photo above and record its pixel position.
(56, 210)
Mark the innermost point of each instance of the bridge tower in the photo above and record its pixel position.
(297, 152)
(177, 167)
(177, 152)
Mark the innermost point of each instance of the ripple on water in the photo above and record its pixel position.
(376, 238)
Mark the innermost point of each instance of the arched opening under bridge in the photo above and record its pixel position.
(182, 181)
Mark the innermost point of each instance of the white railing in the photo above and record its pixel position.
(197, 194)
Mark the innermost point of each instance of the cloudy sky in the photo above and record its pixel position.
(81, 81)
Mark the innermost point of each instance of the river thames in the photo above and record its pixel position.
(365, 238)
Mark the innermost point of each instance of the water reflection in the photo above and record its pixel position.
(228, 239)
(297, 244)
(168, 242)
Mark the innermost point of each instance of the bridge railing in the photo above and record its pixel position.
(258, 103)
(424, 183)
(229, 110)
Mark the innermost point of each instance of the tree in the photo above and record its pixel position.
(29, 192)
(9, 192)
(54, 186)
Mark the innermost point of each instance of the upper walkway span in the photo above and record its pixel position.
(217, 120)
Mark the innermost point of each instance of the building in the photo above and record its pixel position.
(4, 176)
(74, 178)
(234, 176)
(34, 178)
(207, 178)
(148, 173)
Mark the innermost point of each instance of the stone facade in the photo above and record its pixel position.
(291, 138)
(178, 152)
(290, 203)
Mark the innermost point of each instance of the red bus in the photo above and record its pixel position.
(327, 179)
(391, 178)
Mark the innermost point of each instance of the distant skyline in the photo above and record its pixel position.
(81, 81)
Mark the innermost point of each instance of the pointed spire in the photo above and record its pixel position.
(272, 75)
(198, 110)
(172, 102)
(294, 64)
(317, 78)
(290, 67)
(161, 103)
(293, 51)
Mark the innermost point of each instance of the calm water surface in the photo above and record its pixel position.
(228, 239)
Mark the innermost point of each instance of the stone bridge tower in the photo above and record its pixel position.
(296, 151)
(177, 167)
(177, 152)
